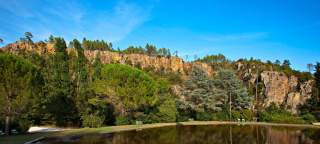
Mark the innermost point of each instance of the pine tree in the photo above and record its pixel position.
(81, 77)
(317, 79)
(59, 87)
(19, 81)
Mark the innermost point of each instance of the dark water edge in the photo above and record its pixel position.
(200, 134)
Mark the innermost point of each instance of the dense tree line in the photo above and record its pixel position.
(96, 45)
(149, 49)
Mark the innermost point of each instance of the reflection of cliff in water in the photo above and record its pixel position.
(223, 134)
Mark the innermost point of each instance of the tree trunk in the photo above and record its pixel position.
(7, 125)
(230, 106)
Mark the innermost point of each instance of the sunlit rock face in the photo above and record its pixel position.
(166, 64)
(281, 89)
(277, 87)
(39, 47)
(159, 63)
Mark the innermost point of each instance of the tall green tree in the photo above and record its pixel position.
(60, 87)
(28, 36)
(317, 78)
(79, 75)
(19, 79)
(151, 50)
(233, 90)
(133, 89)
(200, 94)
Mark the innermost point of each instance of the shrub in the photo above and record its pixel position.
(236, 115)
(309, 118)
(122, 120)
(247, 114)
(24, 125)
(220, 116)
(283, 117)
(92, 121)
(167, 112)
(205, 116)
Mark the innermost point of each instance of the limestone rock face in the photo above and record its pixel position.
(281, 89)
(277, 86)
(40, 47)
(172, 64)
(159, 63)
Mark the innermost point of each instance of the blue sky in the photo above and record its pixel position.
(263, 29)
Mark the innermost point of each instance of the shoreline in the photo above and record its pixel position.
(112, 129)
(121, 128)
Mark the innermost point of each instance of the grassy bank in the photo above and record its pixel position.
(18, 139)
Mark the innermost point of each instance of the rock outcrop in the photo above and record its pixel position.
(159, 63)
(166, 64)
(284, 90)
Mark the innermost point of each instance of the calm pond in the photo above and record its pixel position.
(208, 134)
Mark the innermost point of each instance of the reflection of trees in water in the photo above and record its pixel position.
(215, 134)
(221, 134)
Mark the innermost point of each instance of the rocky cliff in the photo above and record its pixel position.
(285, 90)
(167, 64)
(159, 63)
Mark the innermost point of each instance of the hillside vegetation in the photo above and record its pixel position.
(65, 88)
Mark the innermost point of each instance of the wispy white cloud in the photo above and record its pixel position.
(70, 19)
(118, 23)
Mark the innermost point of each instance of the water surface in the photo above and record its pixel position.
(208, 134)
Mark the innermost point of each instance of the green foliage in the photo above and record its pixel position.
(96, 45)
(166, 112)
(200, 93)
(309, 118)
(133, 87)
(149, 49)
(66, 89)
(122, 120)
(218, 61)
(273, 113)
(23, 125)
(59, 87)
(28, 36)
(205, 96)
(205, 116)
(20, 80)
(92, 121)
(317, 80)
(229, 85)
(136, 50)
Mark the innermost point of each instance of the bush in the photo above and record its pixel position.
(221, 116)
(205, 116)
(247, 114)
(166, 112)
(122, 120)
(283, 117)
(309, 118)
(24, 125)
(236, 115)
(92, 121)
